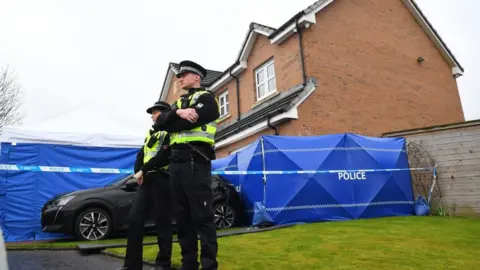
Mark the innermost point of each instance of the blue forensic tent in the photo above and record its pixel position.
(286, 179)
(36, 165)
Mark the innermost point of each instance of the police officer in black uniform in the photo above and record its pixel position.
(151, 172)
(192, 127)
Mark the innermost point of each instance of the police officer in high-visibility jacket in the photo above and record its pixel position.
(151, 172)
(192, 124)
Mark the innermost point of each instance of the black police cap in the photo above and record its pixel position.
(190, 66)
(160, 105)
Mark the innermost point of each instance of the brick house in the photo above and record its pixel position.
(360, 66)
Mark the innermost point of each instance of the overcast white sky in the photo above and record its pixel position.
(70, 53)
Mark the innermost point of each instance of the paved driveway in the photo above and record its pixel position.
(46, 259)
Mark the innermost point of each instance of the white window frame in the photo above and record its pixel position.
(268, 91)
(224, 96)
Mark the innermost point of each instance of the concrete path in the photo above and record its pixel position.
(56, 260)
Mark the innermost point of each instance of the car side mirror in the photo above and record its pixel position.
(130, 185)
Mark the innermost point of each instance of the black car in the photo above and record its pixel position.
(93, 214)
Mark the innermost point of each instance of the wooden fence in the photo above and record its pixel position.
(455, 149)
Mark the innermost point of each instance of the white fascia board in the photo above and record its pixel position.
(226, 77)
(308, 19)
(309, 89)
(305, 21)
(265, 33)
(250, 42)
(248, 46)
(290, 114)
(321, 6)
(244, 49)
(168, 83)
(456, 71)
(287, 32)
(247, 37)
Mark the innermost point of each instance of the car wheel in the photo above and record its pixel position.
(93, 224)
(224, 215)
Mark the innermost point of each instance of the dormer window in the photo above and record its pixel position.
(265, 80)
(224, 104)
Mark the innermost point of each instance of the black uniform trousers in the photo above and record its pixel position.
(154, 193)
(190, 179)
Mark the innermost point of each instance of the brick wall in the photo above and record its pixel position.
(174, 92)
(231, 87)
(287, 73)
(364, 54)
(287, 68)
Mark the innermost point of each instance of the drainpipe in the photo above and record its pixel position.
(272, 126)
(300, 45)
(237, 83)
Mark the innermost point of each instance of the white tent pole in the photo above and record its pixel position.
(434, 172)
(264, 174)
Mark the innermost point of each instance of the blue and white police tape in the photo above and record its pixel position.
(9, 167)
(222, 172)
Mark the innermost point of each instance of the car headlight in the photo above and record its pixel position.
(62, 201)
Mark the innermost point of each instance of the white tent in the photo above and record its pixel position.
(76, 168)
(91, 126)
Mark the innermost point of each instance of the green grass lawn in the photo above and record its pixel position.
(72, 244)
(384, 243)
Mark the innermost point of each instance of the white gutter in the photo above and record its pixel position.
(306, 20)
